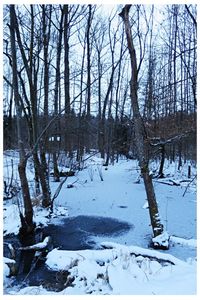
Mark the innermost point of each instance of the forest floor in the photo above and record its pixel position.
(120, 263)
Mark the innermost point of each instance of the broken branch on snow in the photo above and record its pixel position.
(38, 246)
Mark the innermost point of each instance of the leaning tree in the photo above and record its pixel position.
(160, 239)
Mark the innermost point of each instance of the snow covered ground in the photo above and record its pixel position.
(125, 265)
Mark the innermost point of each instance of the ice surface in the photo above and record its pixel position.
(129, 267)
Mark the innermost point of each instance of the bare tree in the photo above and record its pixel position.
(141, 137)
(31, 66)
(27, 219)
(56, 133)
(91, 10)
(99, 44)
(46, 32)
(66, 77)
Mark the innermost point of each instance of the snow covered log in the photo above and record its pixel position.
(38, 246)
(183, 242)
(149, 253)
(123, 270)
(170, 182)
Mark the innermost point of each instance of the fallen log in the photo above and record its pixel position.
(170, 182)
(38, 246)
(177, 183)
(152, 254)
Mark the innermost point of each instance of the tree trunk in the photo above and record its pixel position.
(160, 173)
(44, 178)
(26, 220)
(55, 167)
(32, 74)
(88, 97)
(46, 190)
(27, 223)
(103, 114)
(141, 138)
(89, 60)
(99, 98)
(80, 133)
(56, 132)
(179, 155)
(66, 80)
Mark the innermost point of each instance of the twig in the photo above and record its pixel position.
(188, 185)
(57, 192)
(172, 139)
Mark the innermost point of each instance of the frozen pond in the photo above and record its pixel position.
(75, 233)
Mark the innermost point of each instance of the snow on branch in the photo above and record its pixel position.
(159, 141)
(38, 246)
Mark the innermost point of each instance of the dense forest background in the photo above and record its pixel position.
(73, 73)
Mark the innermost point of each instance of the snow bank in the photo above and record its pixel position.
(124, 270)
(11, 219)
(120, 270)
(6, 269)
(64, 260)
(33, 290)
(144, 252)
(6, 273)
